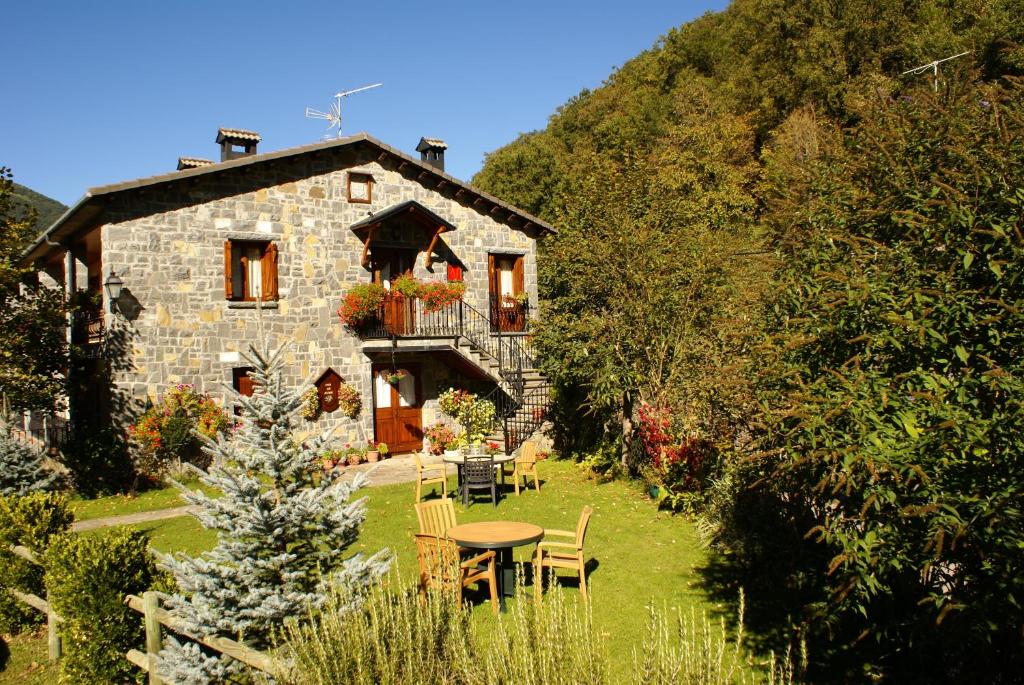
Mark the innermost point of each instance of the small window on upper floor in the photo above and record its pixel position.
(250, 270)
(360, 188)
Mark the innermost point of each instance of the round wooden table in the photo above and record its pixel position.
(500, 536)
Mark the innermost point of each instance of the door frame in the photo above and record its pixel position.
(414, 369)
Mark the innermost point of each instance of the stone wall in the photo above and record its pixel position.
(167, 243)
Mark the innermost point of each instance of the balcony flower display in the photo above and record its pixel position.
(437, 295)
(361, 303)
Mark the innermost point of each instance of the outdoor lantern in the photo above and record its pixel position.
(113, 284)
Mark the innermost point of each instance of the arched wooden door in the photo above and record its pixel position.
(398, 409)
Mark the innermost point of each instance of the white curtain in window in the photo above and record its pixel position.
(383, 392)
(505, 278)
(407, 391)
(255, 275)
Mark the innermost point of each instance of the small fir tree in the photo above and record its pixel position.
(283, 530)
(21, 466)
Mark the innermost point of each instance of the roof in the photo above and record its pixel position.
(421, 213)
(426, 143)
(90, 206)
(192, 162)
(237, 133)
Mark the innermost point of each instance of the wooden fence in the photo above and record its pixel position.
(155, 619)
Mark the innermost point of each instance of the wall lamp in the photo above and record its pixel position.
(113, 286)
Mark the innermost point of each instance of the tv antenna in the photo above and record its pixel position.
(334, 116)
(934, 66)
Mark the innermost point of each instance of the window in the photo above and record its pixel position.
(506, 276)
(360, 188)
(250, 270)
(242, 383)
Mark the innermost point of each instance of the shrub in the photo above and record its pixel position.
(476, 416)
(87, 578)
(440, 437)
(361, 303)
(21, 465)
(395, 638)
(30, 521)
(167, 432)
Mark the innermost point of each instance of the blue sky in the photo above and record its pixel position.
(99, 92)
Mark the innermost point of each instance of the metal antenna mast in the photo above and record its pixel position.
(334, 116)
(934, 66)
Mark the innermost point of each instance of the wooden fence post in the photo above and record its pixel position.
(53, 642)
(154, 638)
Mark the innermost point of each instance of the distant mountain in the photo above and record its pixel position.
(48, 208)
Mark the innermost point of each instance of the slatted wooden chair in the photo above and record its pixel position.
(478, 474)
(442, 569)
(526, 466)
(436, 516)
(554, 554)
(430, 474)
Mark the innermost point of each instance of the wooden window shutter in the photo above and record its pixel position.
(454, 272)
(228, 280)
(518, 280)
(268, 265)
(492, 276)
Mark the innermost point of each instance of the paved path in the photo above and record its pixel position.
(387, 472)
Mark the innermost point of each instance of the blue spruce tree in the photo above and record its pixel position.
(283, 534)
(21, 465)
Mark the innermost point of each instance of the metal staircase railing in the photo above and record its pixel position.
(409, 318)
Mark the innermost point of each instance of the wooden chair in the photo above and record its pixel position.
(436, 516)
(478, 474)
(526, 466)
(552, 554)
(430, 474)
(442, 569)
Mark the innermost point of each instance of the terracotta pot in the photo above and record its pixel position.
(354, 460)
(372, 456)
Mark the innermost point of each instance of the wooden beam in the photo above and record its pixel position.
(441, 183)
(401, 167)
(370, 233)
(458, 195)
(381, 157)
(429, 260)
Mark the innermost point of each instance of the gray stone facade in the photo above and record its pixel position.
(167, 243)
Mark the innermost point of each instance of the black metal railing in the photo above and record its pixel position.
(55, 434)
(509, 314)
(520, 412)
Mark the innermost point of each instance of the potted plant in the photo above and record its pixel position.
(393, 377)
(384, 450)
(353, 455)
(440, 436)
(375, 450)
(361, 303)
(492, 447)
(406, 286)
(437, 295)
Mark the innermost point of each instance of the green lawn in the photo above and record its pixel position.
(166, 497)
(637, 554)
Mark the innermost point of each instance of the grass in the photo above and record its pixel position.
(166, 497)
(23, 660)
(638, 555)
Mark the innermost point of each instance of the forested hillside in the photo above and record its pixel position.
(788, 291)
(47, 208)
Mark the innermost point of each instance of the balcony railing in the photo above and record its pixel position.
(87, 328)
(509, 314)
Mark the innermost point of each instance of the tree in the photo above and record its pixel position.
(33, 347)
(284, 528)
(893, 383)
(21, 466)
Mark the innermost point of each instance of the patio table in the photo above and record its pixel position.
(459, 459)
(502, 537)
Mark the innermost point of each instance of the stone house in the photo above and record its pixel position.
(213, 256)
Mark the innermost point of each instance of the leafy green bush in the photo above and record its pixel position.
(893, 380)
(30, 521)
(168, 432)
(87, 578)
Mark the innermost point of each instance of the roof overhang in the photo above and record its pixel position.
(411, 210)
(86, 211)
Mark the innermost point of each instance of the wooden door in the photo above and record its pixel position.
(389, 264)
(507, 285)
(398, 409)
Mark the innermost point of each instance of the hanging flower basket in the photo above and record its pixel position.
(310, 408)
(349, 401)
(393, 377)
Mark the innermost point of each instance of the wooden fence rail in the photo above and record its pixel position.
(154, 620)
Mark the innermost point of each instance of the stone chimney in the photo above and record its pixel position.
(432, 152)
(236, 142)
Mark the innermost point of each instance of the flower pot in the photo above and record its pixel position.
(451, 454)
(372, 456)
(354, 461)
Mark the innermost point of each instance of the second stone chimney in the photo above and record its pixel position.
(236, 142)
(432, 152)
